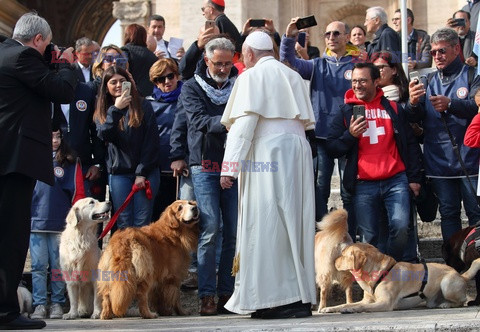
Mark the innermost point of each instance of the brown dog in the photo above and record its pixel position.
(329, 243)
(460, 261)
(149, 263)
(389, 285)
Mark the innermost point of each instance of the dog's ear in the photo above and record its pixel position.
(359, 260)
(173, 214)
(72, 216)
(78, 216)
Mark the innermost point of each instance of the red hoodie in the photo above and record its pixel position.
(378, 156)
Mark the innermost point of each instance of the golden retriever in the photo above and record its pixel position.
(150, 263)
(389, 285)
(329, 243)
(79, 256)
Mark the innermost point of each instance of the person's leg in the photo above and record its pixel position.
(396, 197)
(449, 204)
(39, 263)
(143, 206)
(323, 169)
(58, 286)
(470, 202)
(15, 218)
(207, 192)
(347, 200)
(368, 210)
(165, 195)
(120, 187)
(229, 203)
(186, 188)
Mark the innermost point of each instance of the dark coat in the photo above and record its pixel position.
(140, 59)
(385, 39)
(27, 89)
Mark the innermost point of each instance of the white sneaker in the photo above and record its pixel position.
(39, 313)
(56, 311)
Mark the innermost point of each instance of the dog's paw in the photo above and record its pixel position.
(326, 310)
(70, 315)
(348, 310)
(445, 305)
(150, 315)
(95, 315)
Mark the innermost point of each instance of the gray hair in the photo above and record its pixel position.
(81, 42)
(220, 43)
(29, 25)
(378, 12)
(445, 34)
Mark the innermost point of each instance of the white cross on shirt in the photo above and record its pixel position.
(373, 132)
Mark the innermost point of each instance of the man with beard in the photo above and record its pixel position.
(383, 159)
(204, 98)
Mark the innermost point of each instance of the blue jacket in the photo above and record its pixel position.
(385, 39)
(330, 79)
(179, 136)
(50, 204)
(133, 150)
(440, 158)
(206, 135)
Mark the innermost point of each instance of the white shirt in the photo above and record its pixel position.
(85, 72)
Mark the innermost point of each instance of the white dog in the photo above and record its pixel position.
(79, 256)
(24, 300)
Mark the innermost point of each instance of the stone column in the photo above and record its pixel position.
(131, 11)
(10, 13)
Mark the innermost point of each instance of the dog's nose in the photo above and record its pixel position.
(195, 209)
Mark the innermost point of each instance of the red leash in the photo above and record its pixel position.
(148, 192)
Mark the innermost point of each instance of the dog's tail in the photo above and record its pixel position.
(472, 271)
(335, 221)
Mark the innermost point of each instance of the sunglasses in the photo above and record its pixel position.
(110, 58)
(162, 79)
(440, 50)
(335, 34)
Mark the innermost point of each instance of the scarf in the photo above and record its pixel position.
(217, 96)
(168, 97)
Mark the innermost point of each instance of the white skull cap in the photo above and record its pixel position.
(259, 40)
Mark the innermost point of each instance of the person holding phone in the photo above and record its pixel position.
(127, 125)
(383, 161)
(460, 22)
(303, 47)
(330, 77)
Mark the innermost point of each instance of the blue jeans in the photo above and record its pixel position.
(44, 252)
(216, 205)
(369, 200)
(323, 166)
(139, 212)
(450, 193)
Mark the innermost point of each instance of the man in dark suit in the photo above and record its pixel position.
(84, 48)
(466, 37)
(27, 88)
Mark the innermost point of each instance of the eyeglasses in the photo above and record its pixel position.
(220, 65)
(382, 67)
(442, 50)
(162, 79)
(361, 81)
(334, 33)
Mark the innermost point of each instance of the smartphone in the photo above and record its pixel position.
(257, 23)
(126, 86)
(121, 62)
(209, 24)
(415, 76)
(306, 22)
(358, 111)
(302, 38)
(458, 22)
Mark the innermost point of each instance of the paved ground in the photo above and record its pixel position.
(460, 319)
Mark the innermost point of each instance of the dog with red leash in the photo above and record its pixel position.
(461, 250)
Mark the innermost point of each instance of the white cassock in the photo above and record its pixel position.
(267, 114)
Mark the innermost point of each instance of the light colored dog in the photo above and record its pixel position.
(329, 243)
(389, 285)
(79, 256)
(25, 300)
(149, 263)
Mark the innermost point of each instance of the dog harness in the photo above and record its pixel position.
(424, 282)
(472, 237)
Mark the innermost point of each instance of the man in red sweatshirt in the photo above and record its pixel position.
(383, 160)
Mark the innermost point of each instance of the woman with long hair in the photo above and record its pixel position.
(393, 80)
(108, 56)
(127, 125)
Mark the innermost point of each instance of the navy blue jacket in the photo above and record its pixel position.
(179, 136)
(340, 142)
(206, 135)
(132, 150)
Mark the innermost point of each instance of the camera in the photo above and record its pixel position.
(51, 57)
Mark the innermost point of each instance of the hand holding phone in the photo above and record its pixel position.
(306, 22)
(358, 111)
(209, 24)
(126, 86)
(257, 23)
(415, 77)
(302, 38)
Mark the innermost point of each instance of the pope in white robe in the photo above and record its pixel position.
(267, 114)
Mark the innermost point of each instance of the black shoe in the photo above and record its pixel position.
(258, 313)
(292, 310)
(23, 323)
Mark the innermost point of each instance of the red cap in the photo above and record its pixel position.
(219, 2)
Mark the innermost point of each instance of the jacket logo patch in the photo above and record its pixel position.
(462, 93)
(59, 172)
(348, 74)
(81, 105)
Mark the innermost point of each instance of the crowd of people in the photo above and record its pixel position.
(233, 118)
